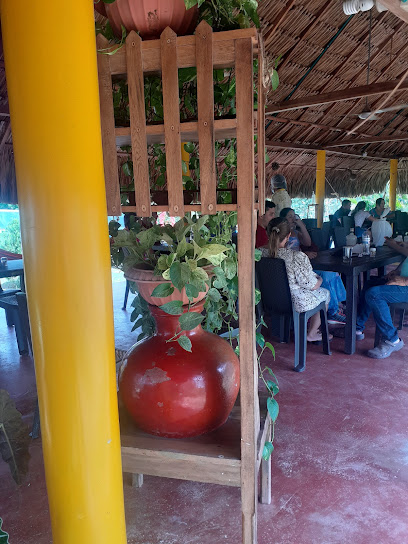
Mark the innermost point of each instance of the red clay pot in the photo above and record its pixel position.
(151, 17)
(174, 393)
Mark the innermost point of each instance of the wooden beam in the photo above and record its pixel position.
(308, 147)
(313, 125)
(396, 9)
(364, 141)
(338, 96)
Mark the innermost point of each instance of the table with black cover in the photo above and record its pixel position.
(13, 268)
(332, 261)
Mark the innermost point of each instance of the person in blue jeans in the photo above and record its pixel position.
(376, 299)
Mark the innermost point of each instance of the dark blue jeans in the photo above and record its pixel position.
(375, 299)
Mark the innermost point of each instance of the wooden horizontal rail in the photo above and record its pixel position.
(223, 52)
(338, 96)
(187, 208)
(307, 147)
(364, 141)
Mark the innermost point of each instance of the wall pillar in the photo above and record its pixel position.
(320, 185)
(52, 82)
(393, 183)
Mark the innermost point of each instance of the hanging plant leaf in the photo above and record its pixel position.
(184, 342)
(4, 537)
(273, 408)
(267, 451)
(163, 290)
(189, 147)
(14, 438)
(190, 320)
(175, 307)
(191, 292)
(275, 80)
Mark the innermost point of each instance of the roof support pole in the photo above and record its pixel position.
(393, 183)
(320, 185)
(53, 94)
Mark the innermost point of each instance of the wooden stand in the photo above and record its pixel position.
(232, 454)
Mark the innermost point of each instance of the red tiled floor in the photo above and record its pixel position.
(340, 466)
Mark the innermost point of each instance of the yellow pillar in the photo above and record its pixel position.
(393, 183)
(185, 156)
(54, 107)
(320, 185)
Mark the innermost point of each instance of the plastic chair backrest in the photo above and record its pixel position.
(320, 238)
(274, 286)
(340, 236)
(348, 223)
(310, 223)
(24, 319)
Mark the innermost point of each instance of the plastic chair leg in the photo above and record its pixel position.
(21, 337)
(282, 330)
(126, 295)
(325, 332)
(300, 323)
(35, 431)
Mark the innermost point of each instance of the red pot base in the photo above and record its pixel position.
(173, 393)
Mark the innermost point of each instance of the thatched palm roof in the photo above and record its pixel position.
(323, 51)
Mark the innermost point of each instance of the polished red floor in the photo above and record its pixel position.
(340, 466)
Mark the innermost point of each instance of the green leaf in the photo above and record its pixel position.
(231, 158)
(14, 437)
(3, 535)
(162, 262)
(127, 168)
(184, 167)
(272, 386)
(258, 255)
(267, 450)
(214, 295)
(190, 3)
(275, 80)
(260, 340)
(180, 274)
(273, 408)
(189, 147)
(269, 346)
(184, 342)
(175, 307)
(257, 296)
(230, 268)
(163, 290)
(190, 320)
(183, 247)
(191, 291)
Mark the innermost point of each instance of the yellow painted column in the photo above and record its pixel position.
(320, 185)
(185, 156)
(54, 106)
(393, 183)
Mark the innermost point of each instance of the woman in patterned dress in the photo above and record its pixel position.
(305, 285)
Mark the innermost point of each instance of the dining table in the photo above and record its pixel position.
(332, 260)
(10, 269)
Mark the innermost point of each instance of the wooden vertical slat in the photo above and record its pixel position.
(246, 288)
(110, 159)
(205, 99)
(171, 108)
(261, 128)
(138, 123)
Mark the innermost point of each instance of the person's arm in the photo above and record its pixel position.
(318, 283)
(370, 218)
(398, 246)
(304, 237)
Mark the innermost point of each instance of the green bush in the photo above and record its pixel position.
(10, 238)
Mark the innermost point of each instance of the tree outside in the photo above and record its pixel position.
(10, 237)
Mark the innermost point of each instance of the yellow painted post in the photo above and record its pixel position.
(185, 156)
(54, 107)
(393, 183)
(320, 185)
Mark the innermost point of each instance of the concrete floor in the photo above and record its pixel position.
(339, 470)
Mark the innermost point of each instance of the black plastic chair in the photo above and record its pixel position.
(401, 222)
(25, 325)
(340, 236)
(310, 223)
(9, 303)
(320, 238)
(348, 223)
(277, 301)
(400, 307)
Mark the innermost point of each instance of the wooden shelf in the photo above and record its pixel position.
(211, 458)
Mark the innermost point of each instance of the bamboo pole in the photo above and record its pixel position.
(393, 183)
(53, 94)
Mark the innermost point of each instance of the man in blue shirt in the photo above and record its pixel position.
(341, 212)
(393, 288)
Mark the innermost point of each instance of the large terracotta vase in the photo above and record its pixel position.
(174, 393)
(150, 17)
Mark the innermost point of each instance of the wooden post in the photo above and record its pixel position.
(246, 285)
(393, 183)
(320, 185)
(53, 95)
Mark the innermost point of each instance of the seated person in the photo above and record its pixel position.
(331, 280)
(280, 195)
(340, 213)
(361, 217)
(305, 285)
(263, 220)
(375, 299)
(379, 210)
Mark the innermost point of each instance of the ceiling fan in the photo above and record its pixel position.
(368, 113)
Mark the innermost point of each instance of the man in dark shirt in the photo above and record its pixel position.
(341, 212)
(263, 220)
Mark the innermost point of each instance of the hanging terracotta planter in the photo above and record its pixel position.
(174, 393)
(151, 17)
